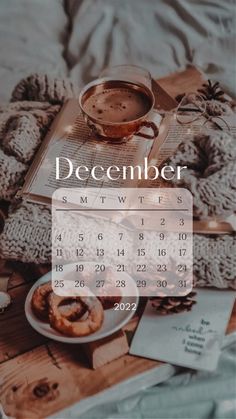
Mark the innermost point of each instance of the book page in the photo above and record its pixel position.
(77, 143)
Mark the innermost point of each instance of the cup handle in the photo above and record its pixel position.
(148, 124)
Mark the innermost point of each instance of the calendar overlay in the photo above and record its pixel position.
(121, 242)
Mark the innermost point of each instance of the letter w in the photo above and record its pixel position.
(122, 199)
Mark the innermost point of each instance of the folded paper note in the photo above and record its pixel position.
(190, 339)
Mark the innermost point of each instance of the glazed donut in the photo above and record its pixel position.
(72, 310)
(40, 304)
(109, 301)
(109, 294)
(79, 327)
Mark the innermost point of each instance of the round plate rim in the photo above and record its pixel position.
(35, 323)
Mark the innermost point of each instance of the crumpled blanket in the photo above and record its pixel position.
(185, 394)
(27, 232)
(79, 38)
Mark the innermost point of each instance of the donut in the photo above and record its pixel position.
(108, 297)
(109, 294)
(89, 323)
(109, 301)
(72, 310)
(40, 304)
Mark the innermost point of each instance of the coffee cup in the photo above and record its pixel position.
(118, 109)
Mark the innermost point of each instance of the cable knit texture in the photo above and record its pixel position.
(43, 88)
(211, 174)
(26, 236)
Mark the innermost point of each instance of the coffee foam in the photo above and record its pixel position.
(117, 104)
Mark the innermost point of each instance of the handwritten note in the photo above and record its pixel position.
(191, 339)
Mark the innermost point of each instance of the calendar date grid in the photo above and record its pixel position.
(154, 251)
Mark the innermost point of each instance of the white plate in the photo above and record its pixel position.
(113, 319)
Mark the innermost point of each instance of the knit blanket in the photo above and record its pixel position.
(26, 234)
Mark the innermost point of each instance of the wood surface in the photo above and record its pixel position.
(40, 377)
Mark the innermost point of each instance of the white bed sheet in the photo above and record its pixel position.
(162, 35)
(32, 34)
(80, 37)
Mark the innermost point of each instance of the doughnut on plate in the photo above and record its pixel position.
(113, 321)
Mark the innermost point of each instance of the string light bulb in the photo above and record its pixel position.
(213, 224)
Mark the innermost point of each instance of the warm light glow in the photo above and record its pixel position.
(161, 129)
(68, 129)
(153, 162)
(118, 217)
(213, 224)
(98, 147)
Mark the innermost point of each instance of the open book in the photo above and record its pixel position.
(70, 138)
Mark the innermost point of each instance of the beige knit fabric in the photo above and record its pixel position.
(22, 128)
(44, 88)
(27, 237)
(12, 172)
(27, 231)
(23, 125)
(211, 174)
